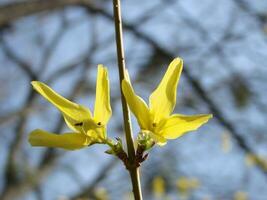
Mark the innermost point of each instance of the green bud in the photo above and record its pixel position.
(145, 140)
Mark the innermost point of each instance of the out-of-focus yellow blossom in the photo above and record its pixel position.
(63, 198)
(252, 159)
(265, 28)
(84, 199)
(101, 194)
(206, 198)
(226, 142)
(158, 186)
(156, 119)
(86, 129)
(186, 185)
(240, 195)
(128, 196)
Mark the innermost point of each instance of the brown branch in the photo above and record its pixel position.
(13, 57)
(10, 176)
(245, 6)
(13, 11)
(49, 50)
(12, 192)
(88, 191)
(25, 110)
(27, 68)
(14, 114)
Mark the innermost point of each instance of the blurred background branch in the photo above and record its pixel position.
(224, 73)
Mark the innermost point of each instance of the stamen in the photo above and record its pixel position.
(78, 124)
(99, 123)
(154, 124)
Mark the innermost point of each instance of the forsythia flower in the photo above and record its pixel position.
(101, 194)
(226, 142)
(240, 195)
(158, 186)
(185, 185)
(252, 160)
(156, 119)
(87, 129)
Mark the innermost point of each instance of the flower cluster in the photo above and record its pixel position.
(87, 129)
(156, 121)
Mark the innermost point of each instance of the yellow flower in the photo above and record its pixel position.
(158, 186)
(86, 129)
(101, 194)
(185, 185)
(240, 195)
(226, 142)
(252, 160)
(156, 119)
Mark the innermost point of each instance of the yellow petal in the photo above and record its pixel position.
(177, 125)
(161, 141)
(102, 110)
(80, 126)
(73, 113)
(162, 101)
(68, 141)
(97, 134)
(158, 185)
(136, 104)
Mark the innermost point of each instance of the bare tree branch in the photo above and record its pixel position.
(20, 63)
(13, 11)
(243, 5)
(10, 168)
(88, 191)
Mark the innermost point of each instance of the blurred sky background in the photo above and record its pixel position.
(60, 42)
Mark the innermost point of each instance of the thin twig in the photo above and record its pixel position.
(20, 63)
(87, 192)
(134, 171)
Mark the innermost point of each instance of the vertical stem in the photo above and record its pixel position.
(134, 171)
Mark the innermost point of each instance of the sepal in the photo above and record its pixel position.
(145, 141)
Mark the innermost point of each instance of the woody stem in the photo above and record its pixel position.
(134, 171)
